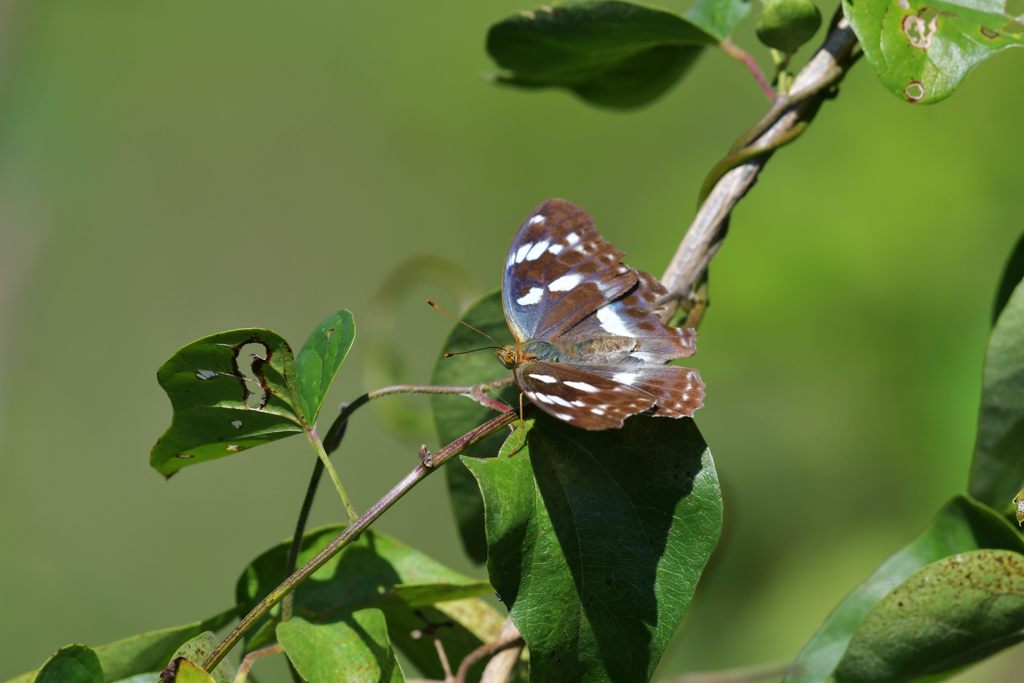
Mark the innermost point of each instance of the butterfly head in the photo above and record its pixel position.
(509, 355)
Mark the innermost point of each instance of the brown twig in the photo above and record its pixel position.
(504, 658)
(353, 530)
(787, 114)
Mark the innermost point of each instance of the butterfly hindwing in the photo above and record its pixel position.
(637, 314)
(558, 271)
(602, 396)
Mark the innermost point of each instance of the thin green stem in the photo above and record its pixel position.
(353, 530)
(321, 453)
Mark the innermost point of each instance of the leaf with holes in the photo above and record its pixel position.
(997, 472)
(319, 359)
(456, 415)
(597, 539)
(378, 571)
(945, 616)
(230, 391)
(354, 648)
(960, 526)
(611, 53)
(71, 664)
(922, 49)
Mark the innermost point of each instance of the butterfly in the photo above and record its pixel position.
(590, 346)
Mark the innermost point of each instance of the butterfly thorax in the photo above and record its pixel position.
(590, 349)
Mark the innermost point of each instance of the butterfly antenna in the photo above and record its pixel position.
(431, 303)
(449, 354)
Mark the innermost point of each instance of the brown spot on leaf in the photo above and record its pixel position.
(914, 91)
(989, 33)
(921, 28)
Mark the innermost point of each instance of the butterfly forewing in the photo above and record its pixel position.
(603, 396)
(558, 271)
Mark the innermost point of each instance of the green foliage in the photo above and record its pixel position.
(961, 526)
(196, 650)
(71, 664)
(146, 653)
(997, 472)
(945, 616)
(243, 388)
(230, 391)
(787, 24)
(597, 540)
(354, 649)
(718, 17)
(187, 672)
(610, 53)
(319, 359)
(454, 415)
(411, 589)
(922, 50)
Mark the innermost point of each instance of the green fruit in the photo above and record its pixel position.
(787, 24)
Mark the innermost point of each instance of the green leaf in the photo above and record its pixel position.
(1013, 273)
(718, 17)
(378, 571)
(960, 526)
(319, 359)
(947, 615)
(597, 540)
(71, 664)
(355, 649)
(997, 472)
(230, 391)
(187, 672)
(148, 652)
(456, 415)
(196, 650)
(922, 49)
(610, 53)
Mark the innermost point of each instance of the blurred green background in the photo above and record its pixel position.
(168, 170)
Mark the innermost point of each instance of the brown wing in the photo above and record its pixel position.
(558, 271)
(638, 315)
(602, 397)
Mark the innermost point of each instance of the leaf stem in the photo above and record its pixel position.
(243, 669)
(353, 530)
(738, 53)
(321, 453)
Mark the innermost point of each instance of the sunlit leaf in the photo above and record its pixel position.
(319, 359)
(997, 472)
(198, 649)
(412, 590)
(230, 391)
(961, 526)
(455, 415)
(71, 664)
(612, 53)
(718, 17)
(922, 49)
(354, 648)
(188, 672)
(945, 616)
(597, 540)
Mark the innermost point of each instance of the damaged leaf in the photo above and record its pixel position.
(187, 672)
(610, 53)
(230, 391)
(945, 616)
(319, 359)
(354, 648)
(923, 49)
